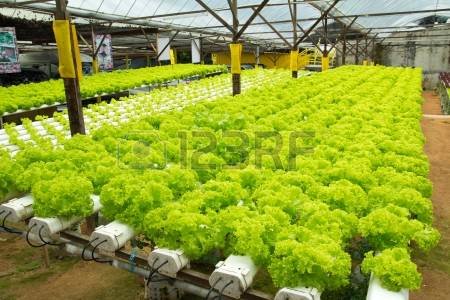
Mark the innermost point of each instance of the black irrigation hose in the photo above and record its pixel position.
(27, 237)
(154, 270)
(96, 258)
(223, 289)
(212, 288)
(84, 251)
(4, 221)
(93, 252)
(44, 241)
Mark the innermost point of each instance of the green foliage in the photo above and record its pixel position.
(329, 162)
(9, 171)
(128, 198)
(307, 258)
(391, 227)
(26, 96)
(173, 227)
(344, 195)
(418, 206)
(394, 268)
(63, 196)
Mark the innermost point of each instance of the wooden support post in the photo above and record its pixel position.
(344, 49)
(71, 85)
(236, 81)
(325, 58)
(236, 78)
(89, 224)
(357, 53)
(257, 56)
(46, 257)
(372, 52)
(200, 50)
(366, 54)
(293, 12)
(94, 50)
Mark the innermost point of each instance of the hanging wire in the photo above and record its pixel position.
(44, 241)
(212, 287)
(96, 258)
(223, 289)
(84, 251)
(27, 237)
(154, 270)
(3, 226)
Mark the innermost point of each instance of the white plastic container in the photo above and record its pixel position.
(233, 276)
(377, 292)
(112, 236)
(18, 209)
(299, 293)
(169, 262)
(52, 226)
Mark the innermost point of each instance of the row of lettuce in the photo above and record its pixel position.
(297, 175)
(26, 96)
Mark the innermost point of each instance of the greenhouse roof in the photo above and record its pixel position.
(372, 18)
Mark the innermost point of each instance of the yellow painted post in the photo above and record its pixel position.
(365, 62)
(173, 57)
(68, 67)
(95, 66)
(325, 63)
(77, 55)
(236, 52)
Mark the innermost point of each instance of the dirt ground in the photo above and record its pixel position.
(23, 275)
(435, 266)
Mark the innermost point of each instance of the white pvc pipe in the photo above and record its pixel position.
(18, 209)
(52, 226)
(377, 292)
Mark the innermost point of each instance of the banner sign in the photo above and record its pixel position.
(9, 54)
(195, 50)
(104, 56)
(163, 42)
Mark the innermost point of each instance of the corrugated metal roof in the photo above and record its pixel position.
(193, 17)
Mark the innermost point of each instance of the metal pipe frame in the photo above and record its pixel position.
(89, 14)
(189, 276)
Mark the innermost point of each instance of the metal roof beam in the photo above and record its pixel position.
(215, 15)
(274, 30)
(324, 14)
(252, 17)
(13, 4)
(362, 15)
(102, 40)
(167, 45)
